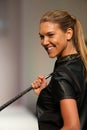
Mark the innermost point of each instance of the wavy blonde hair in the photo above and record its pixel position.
(65, 20)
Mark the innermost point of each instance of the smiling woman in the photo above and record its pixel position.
(60, 101)
(55, 40)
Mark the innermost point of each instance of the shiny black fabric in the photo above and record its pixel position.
(66, 82)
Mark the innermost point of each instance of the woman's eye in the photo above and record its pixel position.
(51, 35)
(41, 37)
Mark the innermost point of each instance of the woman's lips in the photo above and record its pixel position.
(50, 49)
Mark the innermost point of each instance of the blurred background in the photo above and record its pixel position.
(22, 58)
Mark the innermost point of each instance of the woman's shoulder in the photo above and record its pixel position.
(71, 72)
(74, 65)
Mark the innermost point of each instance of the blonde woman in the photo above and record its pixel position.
(59, 102)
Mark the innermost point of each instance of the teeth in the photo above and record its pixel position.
(50, 48)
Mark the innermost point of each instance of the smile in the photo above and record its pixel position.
(50, 49)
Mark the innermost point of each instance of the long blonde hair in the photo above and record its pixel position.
(65, 20)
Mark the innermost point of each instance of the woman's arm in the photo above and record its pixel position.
(70, 114)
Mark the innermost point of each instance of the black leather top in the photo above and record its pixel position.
(66, 82)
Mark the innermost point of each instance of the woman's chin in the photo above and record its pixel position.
(51, 56)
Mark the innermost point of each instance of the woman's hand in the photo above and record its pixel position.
(39, 84)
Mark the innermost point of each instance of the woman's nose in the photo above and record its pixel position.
(45, 41)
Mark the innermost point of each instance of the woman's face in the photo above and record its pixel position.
(53, 39)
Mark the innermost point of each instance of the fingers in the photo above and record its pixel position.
(38, 82)
(35, 84)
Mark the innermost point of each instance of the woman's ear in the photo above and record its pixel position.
(69, 34)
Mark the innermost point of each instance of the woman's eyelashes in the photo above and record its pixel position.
(49, 35)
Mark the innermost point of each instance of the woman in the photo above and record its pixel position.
(59, 102)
